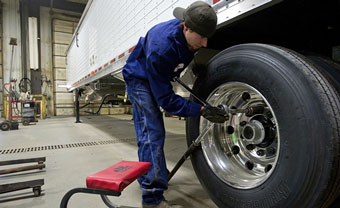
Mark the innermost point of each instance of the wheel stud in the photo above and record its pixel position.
(235, 150)
(268, 168)
(260, 152)
(250, 147)
(249, 165)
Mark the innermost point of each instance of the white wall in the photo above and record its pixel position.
(11, 28)
(46, 57)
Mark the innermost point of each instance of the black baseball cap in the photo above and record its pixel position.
(199, 16)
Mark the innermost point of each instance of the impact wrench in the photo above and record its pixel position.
(205, 103)
(198, 140)
(190, 150)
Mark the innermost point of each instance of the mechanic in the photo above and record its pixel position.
(158, 57)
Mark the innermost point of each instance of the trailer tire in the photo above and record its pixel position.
(4, 126)
(329, 69)
(303, 113)
(336, 203)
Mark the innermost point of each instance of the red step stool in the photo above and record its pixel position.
(110, 181)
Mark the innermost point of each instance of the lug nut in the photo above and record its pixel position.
(246, 96)
(249, 165)
(235, 150)
(260, 152)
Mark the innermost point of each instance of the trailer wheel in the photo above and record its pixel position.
(283, 154)
(4, 126)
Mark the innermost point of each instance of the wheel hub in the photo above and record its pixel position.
(243, 151)
(254, 132)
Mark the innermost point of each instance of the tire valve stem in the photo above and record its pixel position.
(254, 110)
(249, 165)
(260, 152)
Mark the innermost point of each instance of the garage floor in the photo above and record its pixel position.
(74, 151)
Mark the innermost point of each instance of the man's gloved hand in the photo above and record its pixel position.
(214, 114)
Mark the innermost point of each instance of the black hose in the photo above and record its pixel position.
(22, 86)
(84, 105)
(101, 104)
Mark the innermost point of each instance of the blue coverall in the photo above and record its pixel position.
(149, 70)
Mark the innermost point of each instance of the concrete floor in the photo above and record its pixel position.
(67, 167)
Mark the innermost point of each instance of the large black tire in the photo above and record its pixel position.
(4, 126)
(329, 69)
(304, 109)
(336, 203)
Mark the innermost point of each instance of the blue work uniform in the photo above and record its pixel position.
(149, 70)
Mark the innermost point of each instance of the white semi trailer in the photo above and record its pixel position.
(278, 57)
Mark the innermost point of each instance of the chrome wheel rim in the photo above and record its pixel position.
(243, 151)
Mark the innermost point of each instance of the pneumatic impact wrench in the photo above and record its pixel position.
(199, 139)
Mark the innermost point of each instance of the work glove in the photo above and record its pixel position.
(214, 114)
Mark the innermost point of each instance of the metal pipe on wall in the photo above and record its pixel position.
(24, 40)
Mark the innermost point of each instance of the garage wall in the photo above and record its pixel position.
(63, 27)
(46, 57)
(56, 30)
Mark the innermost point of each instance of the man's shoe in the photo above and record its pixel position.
(163, 204)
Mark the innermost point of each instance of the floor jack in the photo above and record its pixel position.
(198, 140)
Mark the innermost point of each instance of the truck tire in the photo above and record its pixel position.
(336, 203)
(329, 69)
(284, 152)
